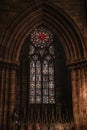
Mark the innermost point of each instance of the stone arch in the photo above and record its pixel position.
(53, 17)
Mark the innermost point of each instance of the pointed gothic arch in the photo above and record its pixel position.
(62, 26)
(44, 13)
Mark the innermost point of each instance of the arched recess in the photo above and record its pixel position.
(53, 17)
(61, 109)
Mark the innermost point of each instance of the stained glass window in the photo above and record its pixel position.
(41, 70)
(41, 37)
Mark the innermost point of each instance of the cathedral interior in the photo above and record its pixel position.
(43, 65)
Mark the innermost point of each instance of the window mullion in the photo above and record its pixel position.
(41, 93)
(35, 83)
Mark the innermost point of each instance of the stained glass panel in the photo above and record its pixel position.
(32, 85)
(32, 82)
(45, 81)
(31, 50)
(41, 66)
(45, 85)
(51, 49)
(38, 91)
(51, 92)
(45, 91)
(32, 64)
(32, 99)
(51, 77)
(45, 99)
(41, 37)
(35, 57)
(38, 82)
(32, 91)
(38, 85)
(38, 99)
(51, 84)
(51, 99)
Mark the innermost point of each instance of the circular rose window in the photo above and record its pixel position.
(41, 37)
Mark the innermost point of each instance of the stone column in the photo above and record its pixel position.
(84, 96)
(85, 70)
(79, 95)
(6, 97)
(3, 86)
(12, 97)
(75, 97)
(2, 96)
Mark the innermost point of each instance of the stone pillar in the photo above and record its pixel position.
(2, 96)
(82, 89)
(84, 96)
(12, 97)
(6, 97)
(85, 70)
(79, 95)
(80, 100)
(75, 98)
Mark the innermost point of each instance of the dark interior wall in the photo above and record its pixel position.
(75, 9)
(9, 10)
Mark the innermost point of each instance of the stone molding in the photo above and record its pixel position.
(77, 65)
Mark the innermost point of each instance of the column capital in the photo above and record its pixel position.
(77, 65)
(9, 65)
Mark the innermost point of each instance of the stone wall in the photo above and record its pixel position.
(9, 11)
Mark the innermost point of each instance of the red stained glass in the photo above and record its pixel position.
(41, 37)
